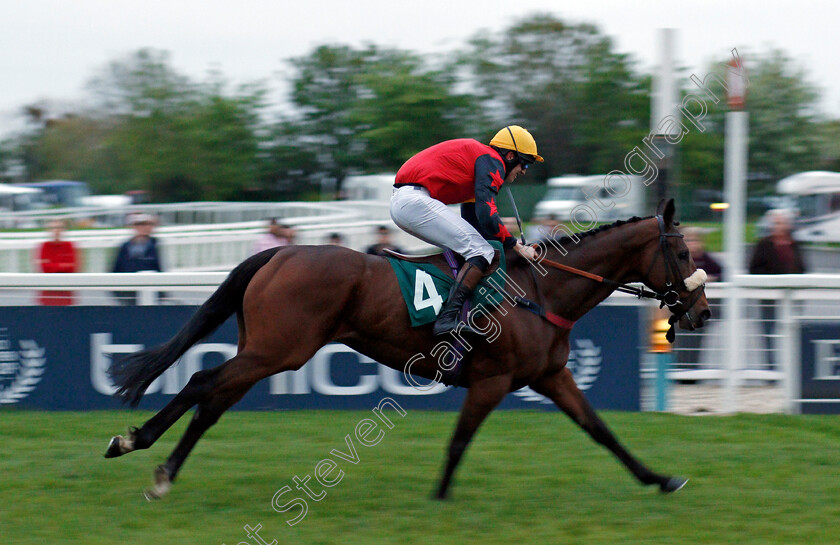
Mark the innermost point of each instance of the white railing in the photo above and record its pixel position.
(196, 213)
(216, 246)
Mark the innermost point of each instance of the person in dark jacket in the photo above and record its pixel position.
(383, 242)
(776, 253)
(139, 253)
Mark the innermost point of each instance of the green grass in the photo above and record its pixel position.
(527, 478)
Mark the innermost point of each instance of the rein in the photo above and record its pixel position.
(670, 298)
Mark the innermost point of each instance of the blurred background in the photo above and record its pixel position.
(268, 102)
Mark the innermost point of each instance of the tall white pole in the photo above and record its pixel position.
(665, 93)
(735, 189)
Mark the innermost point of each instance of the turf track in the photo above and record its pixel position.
(528, 478)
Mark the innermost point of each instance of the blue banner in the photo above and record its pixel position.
(56, 358)
(819, 371)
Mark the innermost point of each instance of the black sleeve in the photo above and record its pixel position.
(489, 177)
(468, 213)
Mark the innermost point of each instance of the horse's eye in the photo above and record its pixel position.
(683, 255)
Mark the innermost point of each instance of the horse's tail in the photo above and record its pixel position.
(134, 374)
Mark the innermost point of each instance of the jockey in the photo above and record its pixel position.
(471, 173)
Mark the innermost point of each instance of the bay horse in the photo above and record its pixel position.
(290, 302)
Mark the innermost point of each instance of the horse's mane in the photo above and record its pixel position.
(597, 230)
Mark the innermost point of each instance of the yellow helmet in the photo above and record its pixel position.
(515, 138)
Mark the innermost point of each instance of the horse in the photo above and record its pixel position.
(290, 302)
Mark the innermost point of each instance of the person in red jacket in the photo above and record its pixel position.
(57, 256)
(470, 173)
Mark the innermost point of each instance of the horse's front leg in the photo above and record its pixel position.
(560, 387)
(482, 397)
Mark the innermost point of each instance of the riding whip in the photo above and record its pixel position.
(516, 213)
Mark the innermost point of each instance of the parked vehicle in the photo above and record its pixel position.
(19, 199)
(815, 198)
(61, 192)
(566, 193)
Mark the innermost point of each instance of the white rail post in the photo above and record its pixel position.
(735, 186)
(147, 297)
(787, 327)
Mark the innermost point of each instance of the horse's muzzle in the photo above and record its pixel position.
(695, 320)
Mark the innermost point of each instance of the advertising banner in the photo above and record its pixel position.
(56, 358)
(819, 371)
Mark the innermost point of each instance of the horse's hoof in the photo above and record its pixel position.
(672, 485)
(113, 448)
(163, 483)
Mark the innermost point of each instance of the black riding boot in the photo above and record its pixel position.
(450, 314)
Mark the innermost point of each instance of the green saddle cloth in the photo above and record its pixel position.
(425, 287)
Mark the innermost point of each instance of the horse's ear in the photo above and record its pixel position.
(660, 208)
(666, 209)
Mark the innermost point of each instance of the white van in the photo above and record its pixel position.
(815, 198)
(565, 193)
(21, 199)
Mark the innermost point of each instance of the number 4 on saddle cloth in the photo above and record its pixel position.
(425, 287)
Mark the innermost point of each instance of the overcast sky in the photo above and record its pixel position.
(49, 49)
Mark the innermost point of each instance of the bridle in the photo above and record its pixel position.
(674, 282)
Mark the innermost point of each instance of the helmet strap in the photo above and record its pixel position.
(509, 165)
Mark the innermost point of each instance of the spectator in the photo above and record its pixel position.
(139, 253)
(702, 259)
(335, 239)
(383, 242)
(688, 346)
(777, 253)
(57, 256)
(278, 234)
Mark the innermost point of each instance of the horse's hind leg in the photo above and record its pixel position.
(482, 397)
(144, 437)
(196, 389)
(561, 388)
(234, 379)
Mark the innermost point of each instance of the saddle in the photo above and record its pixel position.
(425, 282)
(453, 261)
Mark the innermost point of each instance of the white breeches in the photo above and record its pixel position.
(415, 212)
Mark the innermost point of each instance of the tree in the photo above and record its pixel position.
(406, 108)
(582, 101)
(72, 147)
(362, 110)
(785, 133)
(178, 139)
(783, 119)
(154, 129)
